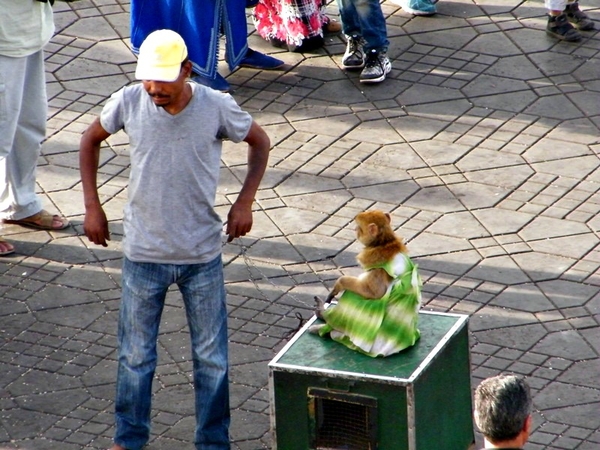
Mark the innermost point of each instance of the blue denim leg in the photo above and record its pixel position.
(364, 18)
(203, 292)
(144, 289)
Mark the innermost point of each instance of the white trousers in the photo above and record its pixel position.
(23, 114)
(556, 5)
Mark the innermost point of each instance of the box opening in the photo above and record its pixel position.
(341, 420)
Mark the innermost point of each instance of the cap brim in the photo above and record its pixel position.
(165, 74)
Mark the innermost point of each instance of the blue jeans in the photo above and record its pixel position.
(144, 289)
(364, 18)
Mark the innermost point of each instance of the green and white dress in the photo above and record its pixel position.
(379, 327)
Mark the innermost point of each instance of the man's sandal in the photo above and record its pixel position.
(6, 252)
(41, 221)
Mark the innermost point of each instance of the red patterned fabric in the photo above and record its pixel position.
(289, 21)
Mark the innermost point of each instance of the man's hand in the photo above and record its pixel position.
(95, 226)
(239, 221)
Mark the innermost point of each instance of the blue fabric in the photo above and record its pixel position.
(257, 60)
(144, 289)
(218, 83)
(425, 6)
(200, 23)
(364, 18)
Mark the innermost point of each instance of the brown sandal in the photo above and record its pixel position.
(40, 221)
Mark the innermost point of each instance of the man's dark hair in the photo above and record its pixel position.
(502, 405)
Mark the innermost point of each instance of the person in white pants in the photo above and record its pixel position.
(565, 18)
(26, 26)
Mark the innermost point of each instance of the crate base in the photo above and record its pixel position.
(414, 400)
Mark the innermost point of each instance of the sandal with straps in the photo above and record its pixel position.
(41, 221)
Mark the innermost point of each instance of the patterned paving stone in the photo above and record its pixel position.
(483, 145)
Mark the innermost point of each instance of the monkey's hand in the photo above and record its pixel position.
(331, 296)
(337, 288)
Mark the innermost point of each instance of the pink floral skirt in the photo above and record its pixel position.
(289, 21)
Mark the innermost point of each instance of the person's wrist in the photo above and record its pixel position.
(244, 202)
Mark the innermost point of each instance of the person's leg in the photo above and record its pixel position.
(354, 57)
(372, 24)
(144, 289)
(203, 292)
(349, 18)
(237, 53)
(365, 28)
(21, 134)
(374, 32)
(22, 129)
(555, 7)
(558, 23)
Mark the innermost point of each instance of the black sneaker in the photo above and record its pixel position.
(377, 66)
(559, 26)
(353, 58)
(578, 17)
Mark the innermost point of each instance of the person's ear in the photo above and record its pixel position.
(527, 424)
(187, 68)
(523, 436)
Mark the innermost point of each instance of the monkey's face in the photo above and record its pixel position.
(362, 234)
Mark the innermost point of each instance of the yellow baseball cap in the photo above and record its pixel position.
(160, 56)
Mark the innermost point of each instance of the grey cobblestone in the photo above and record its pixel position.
(483, 145)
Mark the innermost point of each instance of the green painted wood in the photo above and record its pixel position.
(292, 418)
(315, 352)
(443, 398)
(436, 371)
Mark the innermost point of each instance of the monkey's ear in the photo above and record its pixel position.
(373, 229)
(388, 217)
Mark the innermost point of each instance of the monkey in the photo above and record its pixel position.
(374, 231)
(377, 312)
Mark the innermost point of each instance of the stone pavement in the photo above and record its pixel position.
(483, 144)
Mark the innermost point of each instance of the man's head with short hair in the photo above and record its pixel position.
(503, 409)
(160, 56)
(163, 66)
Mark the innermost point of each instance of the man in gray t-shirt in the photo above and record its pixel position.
(171, 230)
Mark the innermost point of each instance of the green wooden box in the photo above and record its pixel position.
(325, 396)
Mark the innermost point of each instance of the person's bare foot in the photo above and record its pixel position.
(6, 248)
(117, 447)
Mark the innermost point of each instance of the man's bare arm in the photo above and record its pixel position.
(239, 219)
(95, 224)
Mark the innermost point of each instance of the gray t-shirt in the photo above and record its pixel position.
(175, 161)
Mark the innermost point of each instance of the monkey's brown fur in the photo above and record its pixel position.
(374, 231)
